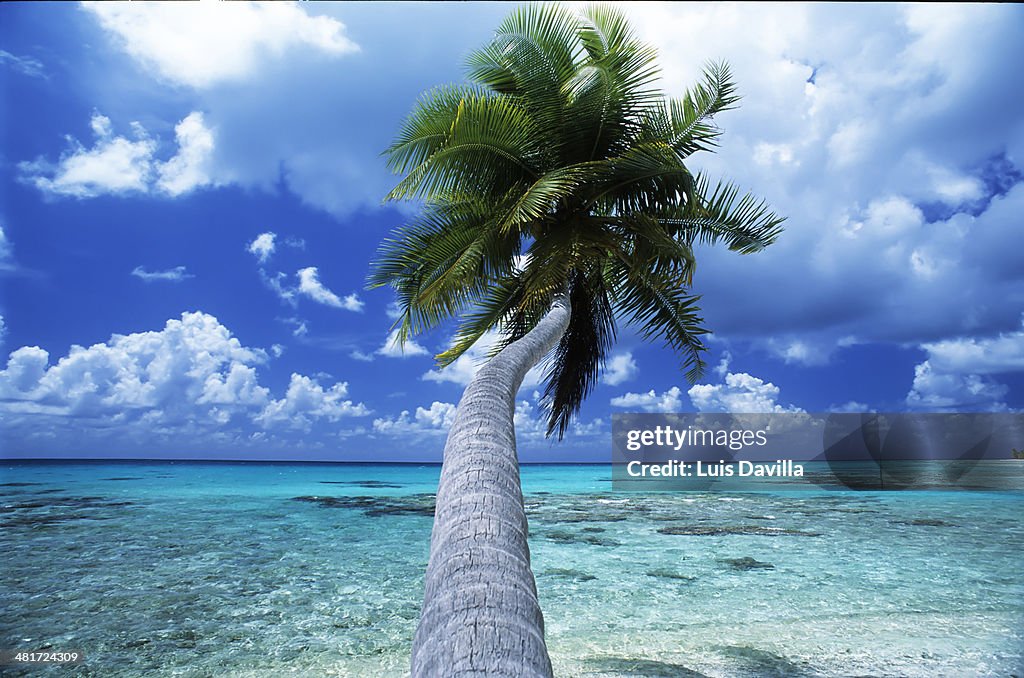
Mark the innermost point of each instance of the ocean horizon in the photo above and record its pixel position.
(161, 568)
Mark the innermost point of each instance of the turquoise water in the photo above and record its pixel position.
(183, 569)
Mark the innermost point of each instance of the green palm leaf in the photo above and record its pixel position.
(563, 168)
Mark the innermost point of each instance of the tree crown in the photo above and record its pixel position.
(561, 167)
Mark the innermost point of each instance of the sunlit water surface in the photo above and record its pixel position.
(183, 569)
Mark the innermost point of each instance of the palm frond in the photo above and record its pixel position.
(745, 223)
(498, 303)
(531, 55)
(691, 126)
(558, 186)
(580, 354)
(490, 145)
(427, 127)
(442, 262)
(648, 241)
(662, 309)
(647, 177)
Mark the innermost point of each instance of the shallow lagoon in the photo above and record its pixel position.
(185, 569)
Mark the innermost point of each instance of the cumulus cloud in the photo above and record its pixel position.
(738, 393)
(851, 406)
(209, 43)
(979, 355)
(735, 393)
(797, 351)
(112, 165)
(189, 375)
(310, 285)
(952, 391)
(959, 373)
(168, 371)
(263, 246)
(392, 349)
(436, 419)
(620, 368)
(651, 401)
(176, 274)
(305, 401)
(896, 198)
(284, 74)
(122, 165)
(190, 168)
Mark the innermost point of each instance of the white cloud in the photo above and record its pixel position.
(361, 357)
(465, 367)
(3, 330)
(799, 352)
(263, 246)
(738, 393)
(778, 154)
(958, 372)
(436, 419)
(620, 368)
(165, 371)
(851, 406)
(885, 218)
(278, 284)
(113, 165)
(192, 373)
(176, 274)
(307, 400)
(284, 74)
(979, 355)
(214, 42)
(6, 251)
(934, 390)
(861, 121)
(309, 281)
(277, 350)
(954, 188)
(667, 401)
(391, 349)
(850, 142)
(310, 285)
(23, 64)
(190, 168)
(723, 365)
(120, 165)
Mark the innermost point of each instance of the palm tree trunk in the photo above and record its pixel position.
(480, 612)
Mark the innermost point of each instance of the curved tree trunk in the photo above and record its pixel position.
(480, 612)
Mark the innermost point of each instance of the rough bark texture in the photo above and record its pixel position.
(480, 612)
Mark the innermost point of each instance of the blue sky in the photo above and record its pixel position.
(190, 196)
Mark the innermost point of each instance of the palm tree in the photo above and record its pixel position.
(556, 204)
